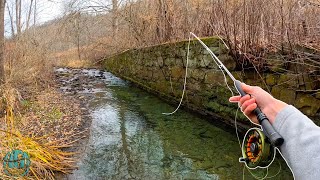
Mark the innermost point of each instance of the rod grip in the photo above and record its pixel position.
(237, 84)
(274, 137)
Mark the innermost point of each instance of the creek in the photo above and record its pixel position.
(130, 138)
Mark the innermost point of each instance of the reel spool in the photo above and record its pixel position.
(257, 151)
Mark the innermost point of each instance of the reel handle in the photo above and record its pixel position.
(274, 137)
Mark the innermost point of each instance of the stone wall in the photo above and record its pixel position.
(161, 70)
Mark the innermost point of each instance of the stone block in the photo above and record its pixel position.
(284, 94)
(276, 65)
(160, 61)
(306, 82)
(149, 74)
(228, 61)
(158, 75)
(166, 72)
(271, 79)
(177, 72)
(149, 63)
(179, 62)
(206, 61)
(158, 53)
(209, 62)
(223, 49)
(215, 50)
(194, 87)
(275, 91)
(288, 96)
(183, 53)
(192, 62)
(197, 74)
(307, 104)
(288, 80)
(196, 100)
(238, 75)
(169, 61)
(191, 53)
(214, 77)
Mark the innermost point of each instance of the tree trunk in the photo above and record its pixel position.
(114, 17)
(2, 73)
(29, 15)
(11, 20)
(78, 32)
(35, 12)
(18, 16)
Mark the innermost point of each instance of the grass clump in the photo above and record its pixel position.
(33, 130)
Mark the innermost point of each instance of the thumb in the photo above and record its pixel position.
(246, 88)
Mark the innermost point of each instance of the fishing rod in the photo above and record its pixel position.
(257, 145)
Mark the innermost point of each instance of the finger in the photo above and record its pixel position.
(246, 88)
(249, 109)
(243, 99)
(234, 99)
(247, 103)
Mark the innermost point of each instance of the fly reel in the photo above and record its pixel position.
(257, 151)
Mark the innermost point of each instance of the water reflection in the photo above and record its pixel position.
(131, 139)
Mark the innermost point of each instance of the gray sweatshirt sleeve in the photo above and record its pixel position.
(301, 147)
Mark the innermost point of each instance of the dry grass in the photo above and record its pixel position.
(45, 157)
(74, 63)
(70, 58)
(27, 66)
(42, 128)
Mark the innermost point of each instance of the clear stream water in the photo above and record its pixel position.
(130, 138)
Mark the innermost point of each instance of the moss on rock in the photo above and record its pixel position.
(177, 72)
(271, 79)
(307, 104)
(288, 80)
(214, 77)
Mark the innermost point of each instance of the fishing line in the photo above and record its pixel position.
(185, 81)
(259, 178)
(265, 177)
(216, 60)
(244, 167)
(213, 56)
(236, 126)
(280, 167)
(286, 163)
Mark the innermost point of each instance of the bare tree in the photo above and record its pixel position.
(35, 12)
(114, 17)
(18, 16)
(20, 19)
(11, 19)
(29, 14)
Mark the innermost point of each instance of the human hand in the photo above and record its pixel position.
(255, 97)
